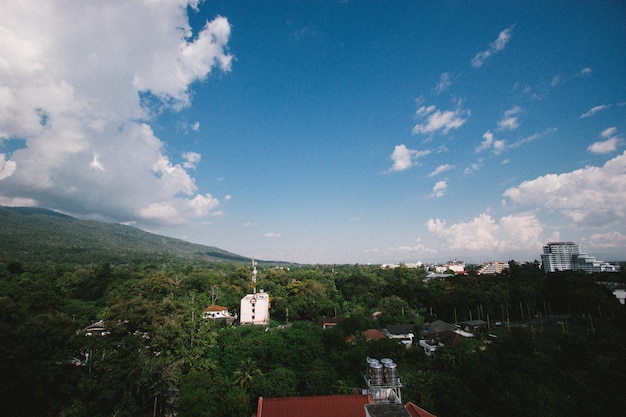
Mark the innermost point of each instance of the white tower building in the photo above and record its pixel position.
(255, 307)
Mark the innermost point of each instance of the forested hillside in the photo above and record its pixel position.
(39, 235)
(559, 350)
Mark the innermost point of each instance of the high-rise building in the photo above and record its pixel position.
(557, 256)
(565, 256)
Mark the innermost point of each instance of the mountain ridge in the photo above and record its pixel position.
(37, 234)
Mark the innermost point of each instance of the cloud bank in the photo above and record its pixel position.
(586, 196)
(79, 84)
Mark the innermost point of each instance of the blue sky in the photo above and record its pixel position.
(324, 131)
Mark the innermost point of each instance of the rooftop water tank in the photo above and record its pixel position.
(390, 373)
(376, 373)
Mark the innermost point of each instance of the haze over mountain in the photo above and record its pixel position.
(42, 235)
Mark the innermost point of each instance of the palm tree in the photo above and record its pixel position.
(247, 371)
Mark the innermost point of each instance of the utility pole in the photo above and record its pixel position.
(193, 321)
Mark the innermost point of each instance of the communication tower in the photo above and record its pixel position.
(253, 276)
(255, 307)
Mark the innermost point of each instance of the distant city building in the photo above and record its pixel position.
(566, 256)
(455, 266)
(557, 256)
(584, 262)
(415, 265)
(493, 268)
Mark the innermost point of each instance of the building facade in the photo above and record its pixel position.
(493, 268)
(557, 256)
(216, 312)
(566, 256)
(255, 309)
(584, 262)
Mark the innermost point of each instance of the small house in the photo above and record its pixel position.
(215, 312)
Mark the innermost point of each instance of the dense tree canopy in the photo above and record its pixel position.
(561, 339)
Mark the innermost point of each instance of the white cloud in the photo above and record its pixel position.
(472, 168)
(585, 71)
(593, 195)
(510, 121)
(609, 145)
(440, 169)
(486, 143)
(272, 235)
(490, 142)
(191, 159)
(594, 110)
(7, 167)
(78, 83)
(439, 189)
(178, 210)
(435, 120)
(497, 146)
(495, 46)
(486, 235)
(530, 138)
(186, 127)
(95, 163)
(444, 83)
(608, 240)
(404, 158)
(556, 80)
(401, 252)
(608, 132)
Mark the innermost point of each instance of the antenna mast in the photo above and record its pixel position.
(253, 276)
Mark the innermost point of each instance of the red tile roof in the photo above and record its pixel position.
(373, 334)
(416, 411)
(215, 308)
(320, 406)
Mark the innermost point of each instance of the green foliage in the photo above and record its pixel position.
(563, 355)
(37, 235)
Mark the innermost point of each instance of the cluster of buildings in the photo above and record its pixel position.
(566, 256)
(557, 256)
(254, 308)
(450, 268)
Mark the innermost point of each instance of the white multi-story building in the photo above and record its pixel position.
(493, 268)
(255, 309)
(557, 256)
(584, 262)
(455, 266)
(565, 256)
